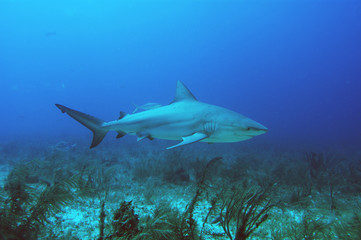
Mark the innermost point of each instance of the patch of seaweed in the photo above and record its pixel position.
(309, 228)
(21, 217)
(315, 183)
(125, 222)
(243, 211)
(163, 224)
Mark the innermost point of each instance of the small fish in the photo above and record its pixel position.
(64, 146)
(147, 106)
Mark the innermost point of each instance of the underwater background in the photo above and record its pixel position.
(294, 66)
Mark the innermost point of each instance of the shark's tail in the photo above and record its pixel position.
(93, 123)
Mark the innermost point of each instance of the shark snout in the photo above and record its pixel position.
(259, 127)
(254, 128)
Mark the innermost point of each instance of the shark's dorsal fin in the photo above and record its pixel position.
(183, 93)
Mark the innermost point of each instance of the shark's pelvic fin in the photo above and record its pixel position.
(143, 135)
(120, 134)
(190, 139)
(93, 123)
(183, 93)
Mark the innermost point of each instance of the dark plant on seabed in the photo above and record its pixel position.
(95, 181)
(326, 170)
(20, 218)
(125, 222)
(102, 216)
(309, 228)
(188, 221)
(323, 168)
(350, 229)
(354, 168)
(244, 211)
(163, 224)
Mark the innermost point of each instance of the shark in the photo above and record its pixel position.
(185, 119)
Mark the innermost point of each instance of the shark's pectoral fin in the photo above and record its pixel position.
(190, 139)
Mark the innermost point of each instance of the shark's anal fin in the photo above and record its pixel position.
(190, 139)
(121, 115)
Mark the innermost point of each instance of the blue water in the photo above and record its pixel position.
(294, 66)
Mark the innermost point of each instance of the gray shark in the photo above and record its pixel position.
(184, 119)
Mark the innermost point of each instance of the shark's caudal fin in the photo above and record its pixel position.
(93, 123)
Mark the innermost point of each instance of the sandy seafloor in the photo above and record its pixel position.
(146, 174)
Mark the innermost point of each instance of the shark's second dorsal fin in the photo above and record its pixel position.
(183, 93)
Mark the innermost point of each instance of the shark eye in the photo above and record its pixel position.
(248, 128)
